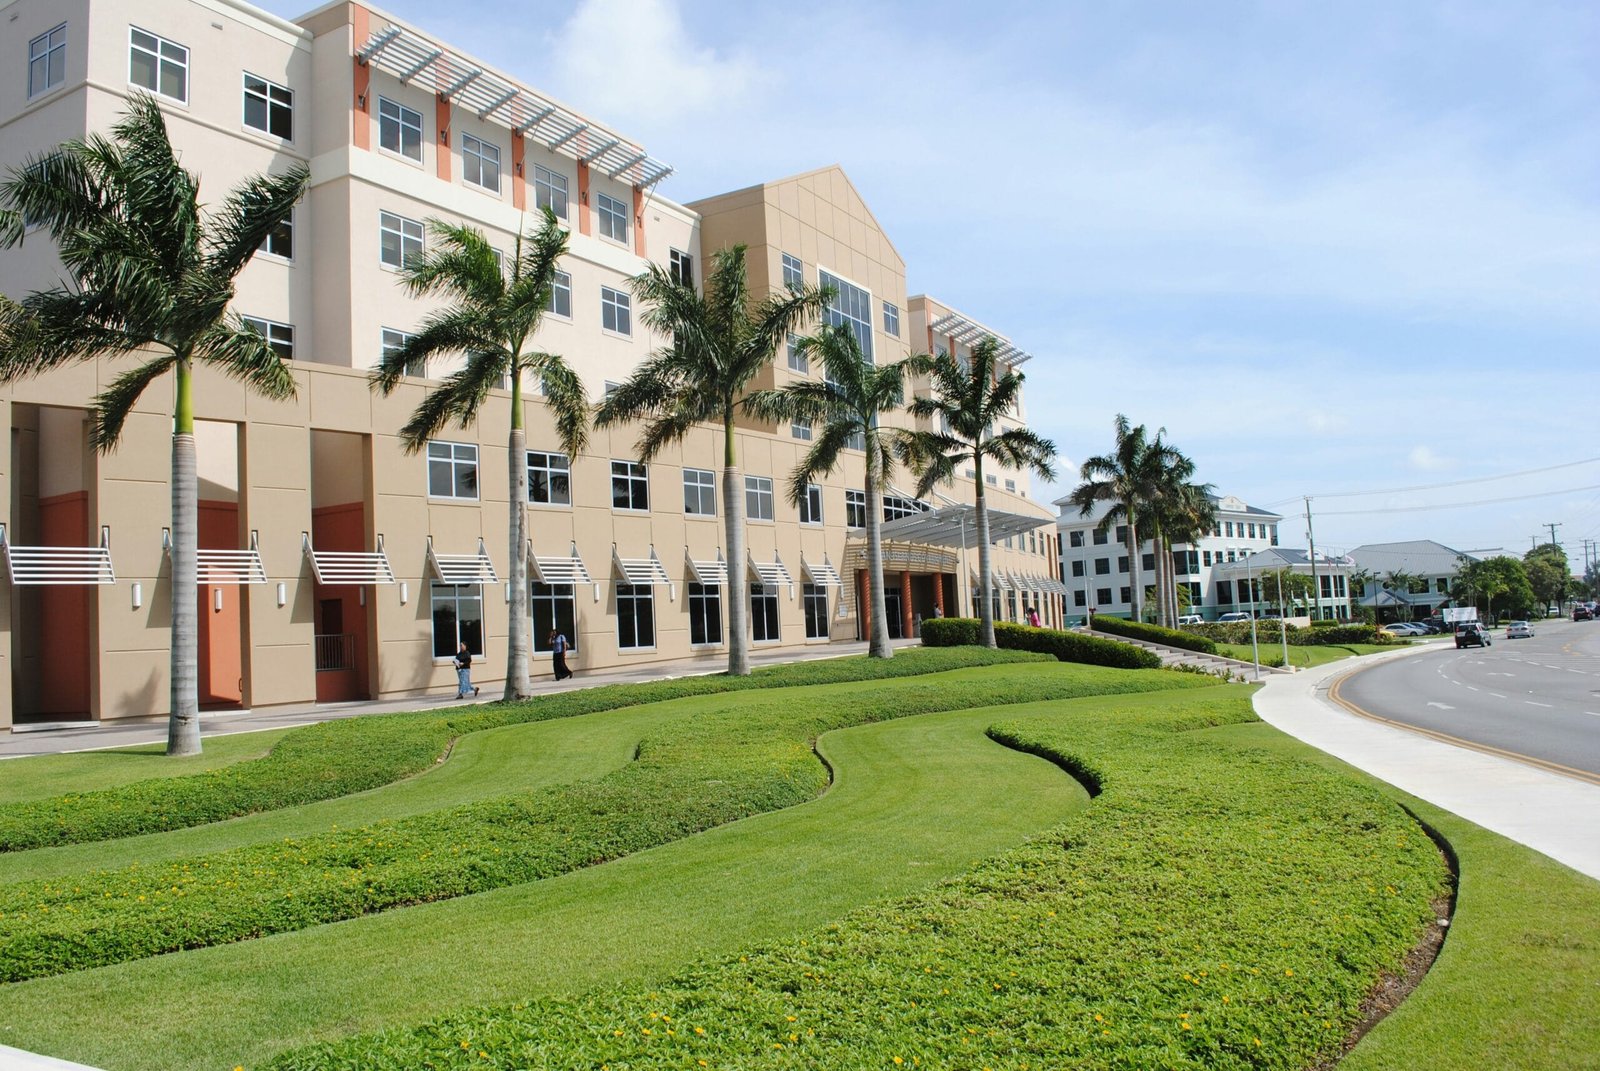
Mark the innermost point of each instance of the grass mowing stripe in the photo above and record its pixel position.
(38, 777)
(913, 801)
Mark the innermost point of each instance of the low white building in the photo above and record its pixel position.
(1238, 585)
(1429, 570)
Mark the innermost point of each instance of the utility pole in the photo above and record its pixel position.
(1553, 525)
(1311, 549)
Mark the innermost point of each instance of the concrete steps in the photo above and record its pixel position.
(1172, 656)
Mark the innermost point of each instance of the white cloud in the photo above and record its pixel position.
(1422, 457)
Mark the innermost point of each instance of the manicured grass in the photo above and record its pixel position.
(1272, 653)
(43, 776)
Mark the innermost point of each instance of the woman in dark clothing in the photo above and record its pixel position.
(558, 655)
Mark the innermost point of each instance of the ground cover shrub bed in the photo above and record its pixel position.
(1216, 906)
(1139, 630)
(1268, 631)
(724, 759)
(1064, 646)
(338, 758)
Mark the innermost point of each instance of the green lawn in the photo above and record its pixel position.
(1303, 657)
(42, 776)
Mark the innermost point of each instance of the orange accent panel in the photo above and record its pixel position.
(441, 119)
(938, 592)
(519, 184)
(360, 100)
(638, 221)
(585, 225)
(905, 603)
(343, 527)
(221, 632)
(63, 626)
(864, 601)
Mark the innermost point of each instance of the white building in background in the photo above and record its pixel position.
(1431, 568)
(1238, 586)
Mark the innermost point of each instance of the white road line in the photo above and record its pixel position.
(1531, 703)
(1497, 695)
(1470, 688)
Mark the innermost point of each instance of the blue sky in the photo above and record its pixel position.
(1328, 247)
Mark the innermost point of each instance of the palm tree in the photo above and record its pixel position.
(149, 275)
(969, 398)
(1187, 512)
(493, 313)
(721, 340)
(846, 404)
(1129, 481)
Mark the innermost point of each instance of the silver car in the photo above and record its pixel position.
(1519, 630)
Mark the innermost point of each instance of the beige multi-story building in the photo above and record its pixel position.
(336, 566)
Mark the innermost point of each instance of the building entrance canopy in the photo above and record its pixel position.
(957, 526)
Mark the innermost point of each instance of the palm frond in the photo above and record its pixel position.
(1022, 448)
(242, 354)
(565, 397)
(821, 460)
(453, 330)
(252, 210)
(460, 264)
(112, 405)
(457, 399)
(654, 386)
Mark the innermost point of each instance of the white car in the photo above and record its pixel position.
(1405, 628)
(1191, 619)
(1234, 615)
(1519, 630)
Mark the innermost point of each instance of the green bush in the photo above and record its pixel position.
(1065, 646)
(1138, 630)
(1335, 633)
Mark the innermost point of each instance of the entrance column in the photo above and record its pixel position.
(905, 603)
(938, 594)
(863, 604)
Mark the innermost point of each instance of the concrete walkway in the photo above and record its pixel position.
(1552, 814)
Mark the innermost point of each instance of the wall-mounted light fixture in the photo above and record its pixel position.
(405, 592)
(138, 594)
(283, 594)
(216, 600)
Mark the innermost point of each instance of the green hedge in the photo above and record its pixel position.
(722, 760)
(1065, 646)
(339, 758)
(1336, 633)
(1138, 630)
(1216, 906)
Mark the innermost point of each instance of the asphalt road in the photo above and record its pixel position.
(1536, 699)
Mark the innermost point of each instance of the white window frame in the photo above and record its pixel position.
(638, 475)
(758, 498)
(546, 185)
(700, 597)
(390, 339)
(617, 305)
(54, 55)
(792, 269)
(681, 264)
(159, 54)
(636, 594)
(855, 500)
(891, 319)
(402, 226)
(554, 464)
(798, 362)
(485, 154)
(802, 430)
(401, 125)
(560, 294)
(267, 95)
(279, 336)
(832, 315)
(457, 456)
(454, 595)
(703, 482)
(609, 211)
(265, 248)
(766, 594)
(811, 504)
(810, 595)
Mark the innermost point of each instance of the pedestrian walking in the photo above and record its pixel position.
(558, 655)
(464, 683)
(1033, 616)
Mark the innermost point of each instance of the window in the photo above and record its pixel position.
(758, 498)
(794, 274)
(550, 191)
(457, 619)
(1252, 528)
(896, 506)
(1075, 539)
(452, 470)
(636, 616)
(399, 129)
(801, 429)
(699, 493)
(1122, 564)
(549, 479)
(1126, 594)
(764, 613)
(1078, 599)
(613, 215)
(705, 614)
(630, 486)
(856, 440)
(1011, 606)
(811, 505)
(1442, 585)
(47, 60)
(851, 308)
(1033, 542)
(1147, 562)
(797, 357)
(814, 600)
(279, 241)
(480, 163)
(560, 303)
(1011, 485)
(1102, 567)
(1205, 557)
(553, 606)
(616, 311)
(399, 240)
(891, 319)
(1225, 592)
(1228, 528)
(279, 336)
(1099, 538)
(991, 481)
(1338, 586)
(159, 65)
(1102, 596)
(855, 509)
(1077, 568)
(268, 107)
(1122, 534)
(1274, 535)
(681, 266)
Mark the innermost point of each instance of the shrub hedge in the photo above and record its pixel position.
(723, 760)
(1215, 907)
(1138, 630)
(338, 758)
(1337, 633)
(1065, 646)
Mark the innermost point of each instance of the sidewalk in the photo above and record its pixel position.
(1545, 811)
(94, 736)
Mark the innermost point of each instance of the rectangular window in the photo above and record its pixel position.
(549, 479)
(636, 616)
(681, 267)
(480, 163)
(1126, 595)
(1338, 586)
(851, 308)
(550, 191)
(391, 340)
(1075, 539)
(801, 429)
(1102, 567)
(457, 619)
(399, 241)
(811, 505)
(1078, 599)
(764, 613)
(1122, 533)
(159, 65)
(1102, 596)
(1122, 564)
(1011, 485)
(1228, 528)
(1205, 557)
(856, 440)
(891, 320)
(1077, 568)
(279, 336)
(268, 107)
(797, 357)
(553, 608)
(560, 303)
(814, 599)
(1225, 592)
(794, 275)
(1011, 606)
(1325, 583)
(758, 498)
(705, 614)
(897, 506)
(613, 217)
(1099, 538)
(1147, 562)
(47, 60)
(630, 486)
(616, 311)
(1252, 528)
(399, 129)
(1442, 585)
(452, 470)
(1274, 535)
(855, 509)
(699, 492)
(279, 241)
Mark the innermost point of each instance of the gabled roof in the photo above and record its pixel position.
(830, 170)
(1419, 557)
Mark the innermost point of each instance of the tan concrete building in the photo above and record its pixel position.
(336, 566)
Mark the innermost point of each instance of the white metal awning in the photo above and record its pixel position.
(64, 566)
(462, 568)
(997, 576)
(643, 571)
(714, 571)
(217, 566)
(1051, 586)
(969, 333)
(560, 569)
(956, 525)
(898, 557)
(348, 566)
(824, 574)
(773, 572)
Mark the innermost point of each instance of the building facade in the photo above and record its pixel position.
(335, 565)
(1240, 585)
(1409, 580)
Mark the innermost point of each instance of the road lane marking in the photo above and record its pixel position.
(1470, 688)
(1441, 706)
(1531, 703)
(1497, 695)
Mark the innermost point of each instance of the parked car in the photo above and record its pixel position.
(1581, 612)
(1472, 634)
(1191, 619)
(1519, 630)
(1404, 628)
(1234, 615)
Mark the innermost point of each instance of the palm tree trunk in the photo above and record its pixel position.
(738, 586)
(183, 729)
(878, 645)
(1135, 581)
(519, 683)
(985, 574)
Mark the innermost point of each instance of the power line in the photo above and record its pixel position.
(1450, 483)
(1456, 505)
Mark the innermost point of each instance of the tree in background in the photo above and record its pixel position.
(1549, 574)
(1286, 588)
(1186, 512)
(1129, 482)
(1498, 584)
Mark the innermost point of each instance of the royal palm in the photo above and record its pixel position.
(1129, 482)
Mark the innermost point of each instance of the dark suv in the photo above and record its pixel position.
(1471, 634)
(1581, 612)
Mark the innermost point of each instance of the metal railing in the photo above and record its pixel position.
(336, 651)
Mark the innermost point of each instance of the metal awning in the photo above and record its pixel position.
(903, 557)
(1025, 582)
(65, 566)
(1049, 585)
(823, 575)
(219, 567)
(1000, 581)
(560, 569)
(773, 572)
(969, 333)
(714, 571)
(643, 571)
(462, 568)
(412, 58)
(348, 566)
(956, 525)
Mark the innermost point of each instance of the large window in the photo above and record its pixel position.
(705, 614)
(560, 303)
(480, 163)
(794, 274)
(452, 470)
(764, 613)
(758, 498)
(636, 616)
(1099, 537)
(279, 336)
(796, 356)
(897, 506)
(616, 311)
(279, 241)
(855, 509)
(801, 429)
(390, 343)
(681, 266)
(613, 217)
(851, 307)
(699, 493)
(811, 505)
(268, 107)
(159, 65)
(1075, 539)
(1102, 596)
(47, 60)
(399, 240)
(630, 486)
(549, 478)
(553, 606)
(457, 619)
(399, 129)
(1102, 567)
(815, 600)
(550, 191)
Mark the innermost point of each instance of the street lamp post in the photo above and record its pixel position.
(1250, 579)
